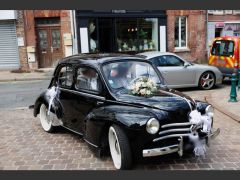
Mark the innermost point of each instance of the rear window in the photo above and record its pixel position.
(223, 48)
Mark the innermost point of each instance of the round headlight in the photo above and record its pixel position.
(152, 126)
(209, 110)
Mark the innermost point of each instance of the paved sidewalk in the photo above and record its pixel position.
(219, 99)
(40, 74)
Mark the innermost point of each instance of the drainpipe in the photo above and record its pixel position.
(71, 19)
(207, 35)
(25, 24)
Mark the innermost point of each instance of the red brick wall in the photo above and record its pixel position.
(197, 32)
(222, 18)
(30, 26)
(65, 24)
(21, 33)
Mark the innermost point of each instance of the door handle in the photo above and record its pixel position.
(44, 52)
(99, 102)
(51, 49)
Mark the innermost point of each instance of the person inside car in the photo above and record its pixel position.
(118, 76)
(87, 79)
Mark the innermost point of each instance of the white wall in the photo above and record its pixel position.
(8, 14)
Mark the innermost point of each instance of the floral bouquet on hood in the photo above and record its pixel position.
(143, 86)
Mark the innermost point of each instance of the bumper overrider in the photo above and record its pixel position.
(180, 131)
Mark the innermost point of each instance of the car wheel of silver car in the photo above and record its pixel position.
(207, 81)
(45, 119)
(119, 148)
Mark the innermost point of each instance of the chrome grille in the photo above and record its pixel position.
(174, 130)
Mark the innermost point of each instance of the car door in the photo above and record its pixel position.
(87, 89)
(175, 71)
(65, 83)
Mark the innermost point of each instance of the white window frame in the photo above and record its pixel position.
(218, 12)
(179, 33)
(236, 11)
(228, 11)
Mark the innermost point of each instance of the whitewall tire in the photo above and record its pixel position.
(45, 119)
(119, 148)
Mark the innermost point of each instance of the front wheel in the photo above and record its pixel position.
(207, 81)
(119, 148)
(45, 119)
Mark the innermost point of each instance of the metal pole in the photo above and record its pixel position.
(238, 79)
(233, 93)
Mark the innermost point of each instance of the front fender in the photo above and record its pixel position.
(43, 99)
(129, 118)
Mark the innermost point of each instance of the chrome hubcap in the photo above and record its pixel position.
(207, 81)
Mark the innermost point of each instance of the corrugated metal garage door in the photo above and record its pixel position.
(9, 58)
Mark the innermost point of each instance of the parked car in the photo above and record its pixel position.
(224, 54)
(180, 73)
(119, 103)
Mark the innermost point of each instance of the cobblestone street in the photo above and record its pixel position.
(24, 145)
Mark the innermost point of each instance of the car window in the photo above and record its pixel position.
(65, 76)
(87, 79)
(223, 48)
(167, 60)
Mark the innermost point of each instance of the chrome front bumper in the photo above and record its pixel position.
(174, 148)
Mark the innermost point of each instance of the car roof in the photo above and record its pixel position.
(152, 54)
(97, 58)
(227, 38)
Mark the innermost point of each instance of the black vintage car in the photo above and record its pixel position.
(119, 103)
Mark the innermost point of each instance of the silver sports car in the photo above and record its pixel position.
(179, 73)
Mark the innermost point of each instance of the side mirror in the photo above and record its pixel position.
(186, 64)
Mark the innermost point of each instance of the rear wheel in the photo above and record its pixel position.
(45, 119)
(207, 81)
(119, 148)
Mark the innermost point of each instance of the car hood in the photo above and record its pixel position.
(165, 99)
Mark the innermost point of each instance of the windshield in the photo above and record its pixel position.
(121, 75)
(223, 48)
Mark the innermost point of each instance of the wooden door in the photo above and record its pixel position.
(49, 46)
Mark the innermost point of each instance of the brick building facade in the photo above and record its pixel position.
(20, 30)
(45, 34)
(186, 35)
(196, 30)
(223, 23)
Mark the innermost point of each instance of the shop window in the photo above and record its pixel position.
(127, 30)
(137, 34)
(148, 34)
(181, 32)
(93, 40)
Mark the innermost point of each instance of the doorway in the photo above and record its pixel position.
(106, 35)
(49, 45)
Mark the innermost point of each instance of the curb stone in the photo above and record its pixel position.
(219, 108)
(26, 79)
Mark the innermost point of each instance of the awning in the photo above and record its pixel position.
(219, 25)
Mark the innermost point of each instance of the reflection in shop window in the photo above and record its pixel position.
(236, 33)
(181, 32)
(137, 34)
(148, 34)
(93, 35)
(126, 29)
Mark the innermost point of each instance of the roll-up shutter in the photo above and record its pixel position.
(9, 57)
